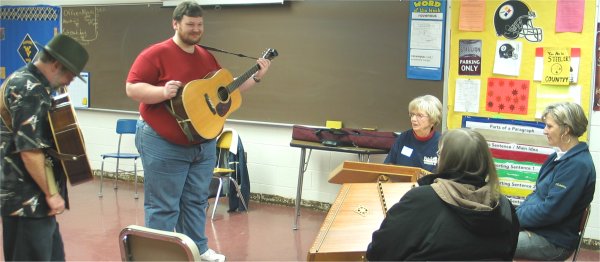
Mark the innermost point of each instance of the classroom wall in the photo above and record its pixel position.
(593, 228)
(273, 164)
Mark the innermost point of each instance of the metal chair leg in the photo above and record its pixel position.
(239, 192)
(101, 176)
(136, 196)
(217, 198)
(116, 175)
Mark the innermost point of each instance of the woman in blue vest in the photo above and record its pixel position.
(418, 146)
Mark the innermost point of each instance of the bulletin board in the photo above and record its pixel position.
(538, 93)
(508, 61)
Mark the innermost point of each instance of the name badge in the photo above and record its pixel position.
(407, 151)
(431, 161)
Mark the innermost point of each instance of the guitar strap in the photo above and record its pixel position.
(6, 118)
(226, 52)
(4, 114)
(184, 124)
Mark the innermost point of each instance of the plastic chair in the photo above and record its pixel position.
(124, 126)
(582, 225)
(139, 243)
(223, 170)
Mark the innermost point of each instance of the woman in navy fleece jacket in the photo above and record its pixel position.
(550, 215)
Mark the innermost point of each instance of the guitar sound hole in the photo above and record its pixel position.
(223, 94)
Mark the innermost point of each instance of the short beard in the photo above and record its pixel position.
(187, 40)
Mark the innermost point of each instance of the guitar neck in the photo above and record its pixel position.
(241, 79)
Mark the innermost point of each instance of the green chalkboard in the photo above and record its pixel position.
(339, 60)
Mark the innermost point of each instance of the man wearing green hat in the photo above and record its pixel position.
(30, 196)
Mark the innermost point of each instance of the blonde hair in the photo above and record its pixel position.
(567, 114)
(465, 151)
(428, 104)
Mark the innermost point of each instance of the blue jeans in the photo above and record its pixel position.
(176, 183)
(535, 247)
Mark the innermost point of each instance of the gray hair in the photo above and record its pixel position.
(428, 104)
(45, 57)
(567, 115)
(187, 8)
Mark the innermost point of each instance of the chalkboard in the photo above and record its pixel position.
(341, 61)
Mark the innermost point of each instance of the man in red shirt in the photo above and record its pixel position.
(177, 172)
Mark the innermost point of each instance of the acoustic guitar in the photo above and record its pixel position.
(70, 149)
(206, 103)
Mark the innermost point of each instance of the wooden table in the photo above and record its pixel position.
(354, 216)
(363, 155)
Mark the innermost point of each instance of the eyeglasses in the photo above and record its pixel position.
(419, 116)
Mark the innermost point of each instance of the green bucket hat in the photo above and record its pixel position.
(68, 52)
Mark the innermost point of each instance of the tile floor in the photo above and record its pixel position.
(91, 228)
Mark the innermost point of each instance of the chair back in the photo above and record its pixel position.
(223, 145)
(224, 140)
(582, 225)
(126, 126)
(138, 243)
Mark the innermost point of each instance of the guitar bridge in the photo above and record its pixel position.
(210, 104)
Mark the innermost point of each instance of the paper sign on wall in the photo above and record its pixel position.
(426, 30)
(466, 97)
(549, 94)
(79, 91)
(472, 15)
(557, 62)
(469, 57)
(508, 58)
(539, 64)
(507, 96)
(517, 161)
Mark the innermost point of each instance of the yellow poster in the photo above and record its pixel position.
(557, 62)
(549, 94)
